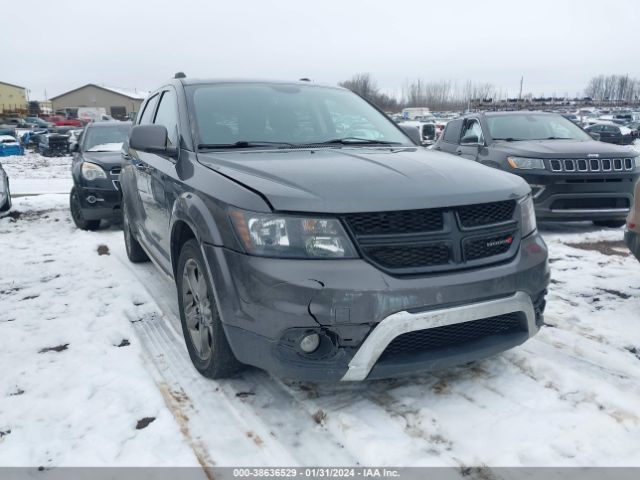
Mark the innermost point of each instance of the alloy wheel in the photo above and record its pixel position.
(197, 308)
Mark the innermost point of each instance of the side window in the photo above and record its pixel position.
(147, 113)
(167, 115)
(471, 132)
(452, 131)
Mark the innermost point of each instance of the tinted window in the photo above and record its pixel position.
(532, 126)
(452, 131)
(167, 115)
(147, 114)
(293, 114)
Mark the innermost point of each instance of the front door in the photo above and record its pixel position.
(159, 170)
(471, 139)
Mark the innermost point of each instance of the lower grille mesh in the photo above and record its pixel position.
(453, 335)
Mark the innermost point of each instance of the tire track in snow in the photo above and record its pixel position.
(265, 424)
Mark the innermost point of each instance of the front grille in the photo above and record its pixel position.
(452, 336)
(488, 246)
(583, 165)
(404, 221)
(417, 241)
(486, 213)
(409, 256)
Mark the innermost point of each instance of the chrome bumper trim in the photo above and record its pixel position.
(404, 322)
(591, 210)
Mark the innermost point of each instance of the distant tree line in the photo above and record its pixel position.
(448, 95)
(613, 88)
(436, 95)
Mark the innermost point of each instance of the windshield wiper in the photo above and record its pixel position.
(355, 141)
(554, 138)
(509, 139)
(243, 144)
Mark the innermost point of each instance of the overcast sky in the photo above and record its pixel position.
(557, 45)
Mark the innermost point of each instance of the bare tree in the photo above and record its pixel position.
(364, 85)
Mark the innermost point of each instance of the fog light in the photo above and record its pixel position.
(91, 199)
(310, 343)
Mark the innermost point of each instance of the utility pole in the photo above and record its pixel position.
(520, 94)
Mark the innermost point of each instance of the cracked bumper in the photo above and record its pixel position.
(266, 303)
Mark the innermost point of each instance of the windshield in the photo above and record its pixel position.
(105, 139)
(525, 126)
(286, 115)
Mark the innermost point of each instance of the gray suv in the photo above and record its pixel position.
(308, 236)
(572, 176)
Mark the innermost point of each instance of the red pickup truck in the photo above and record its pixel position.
(60, 121)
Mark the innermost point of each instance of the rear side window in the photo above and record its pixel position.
(147, 114)
(452, 131)
(167, 115)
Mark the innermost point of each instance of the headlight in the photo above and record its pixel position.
(526, 163)
(91, 171)
(270, 235)
(528, 215)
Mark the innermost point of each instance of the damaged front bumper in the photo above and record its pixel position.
(268, 305)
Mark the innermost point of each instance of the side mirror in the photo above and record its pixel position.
(470, 140)
(412, 132)
(595, 136)
(151, 139)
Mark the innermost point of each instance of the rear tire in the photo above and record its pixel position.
(135, 252)
(609, 223)
(77, 215)
(203, 331)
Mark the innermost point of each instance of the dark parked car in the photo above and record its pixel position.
(53, 144)
(16, 122)
(610, 133)
(5, 192)
(304, 249)
(39, 122)
(573, 177)
(96, 170)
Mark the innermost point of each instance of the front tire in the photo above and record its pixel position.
(203, 332)
(7, 204)
(609, 223)
(77, 215)
(135, 252)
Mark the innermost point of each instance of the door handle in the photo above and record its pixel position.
(458, 152)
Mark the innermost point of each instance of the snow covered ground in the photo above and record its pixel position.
(32, 174)
(94, 371)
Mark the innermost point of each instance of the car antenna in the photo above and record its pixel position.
(305, 79)
(180, 75)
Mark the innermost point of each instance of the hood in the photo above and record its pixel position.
(106, 160)
(342, 180)
(562, 149)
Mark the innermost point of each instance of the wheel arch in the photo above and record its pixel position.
(191, 218)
